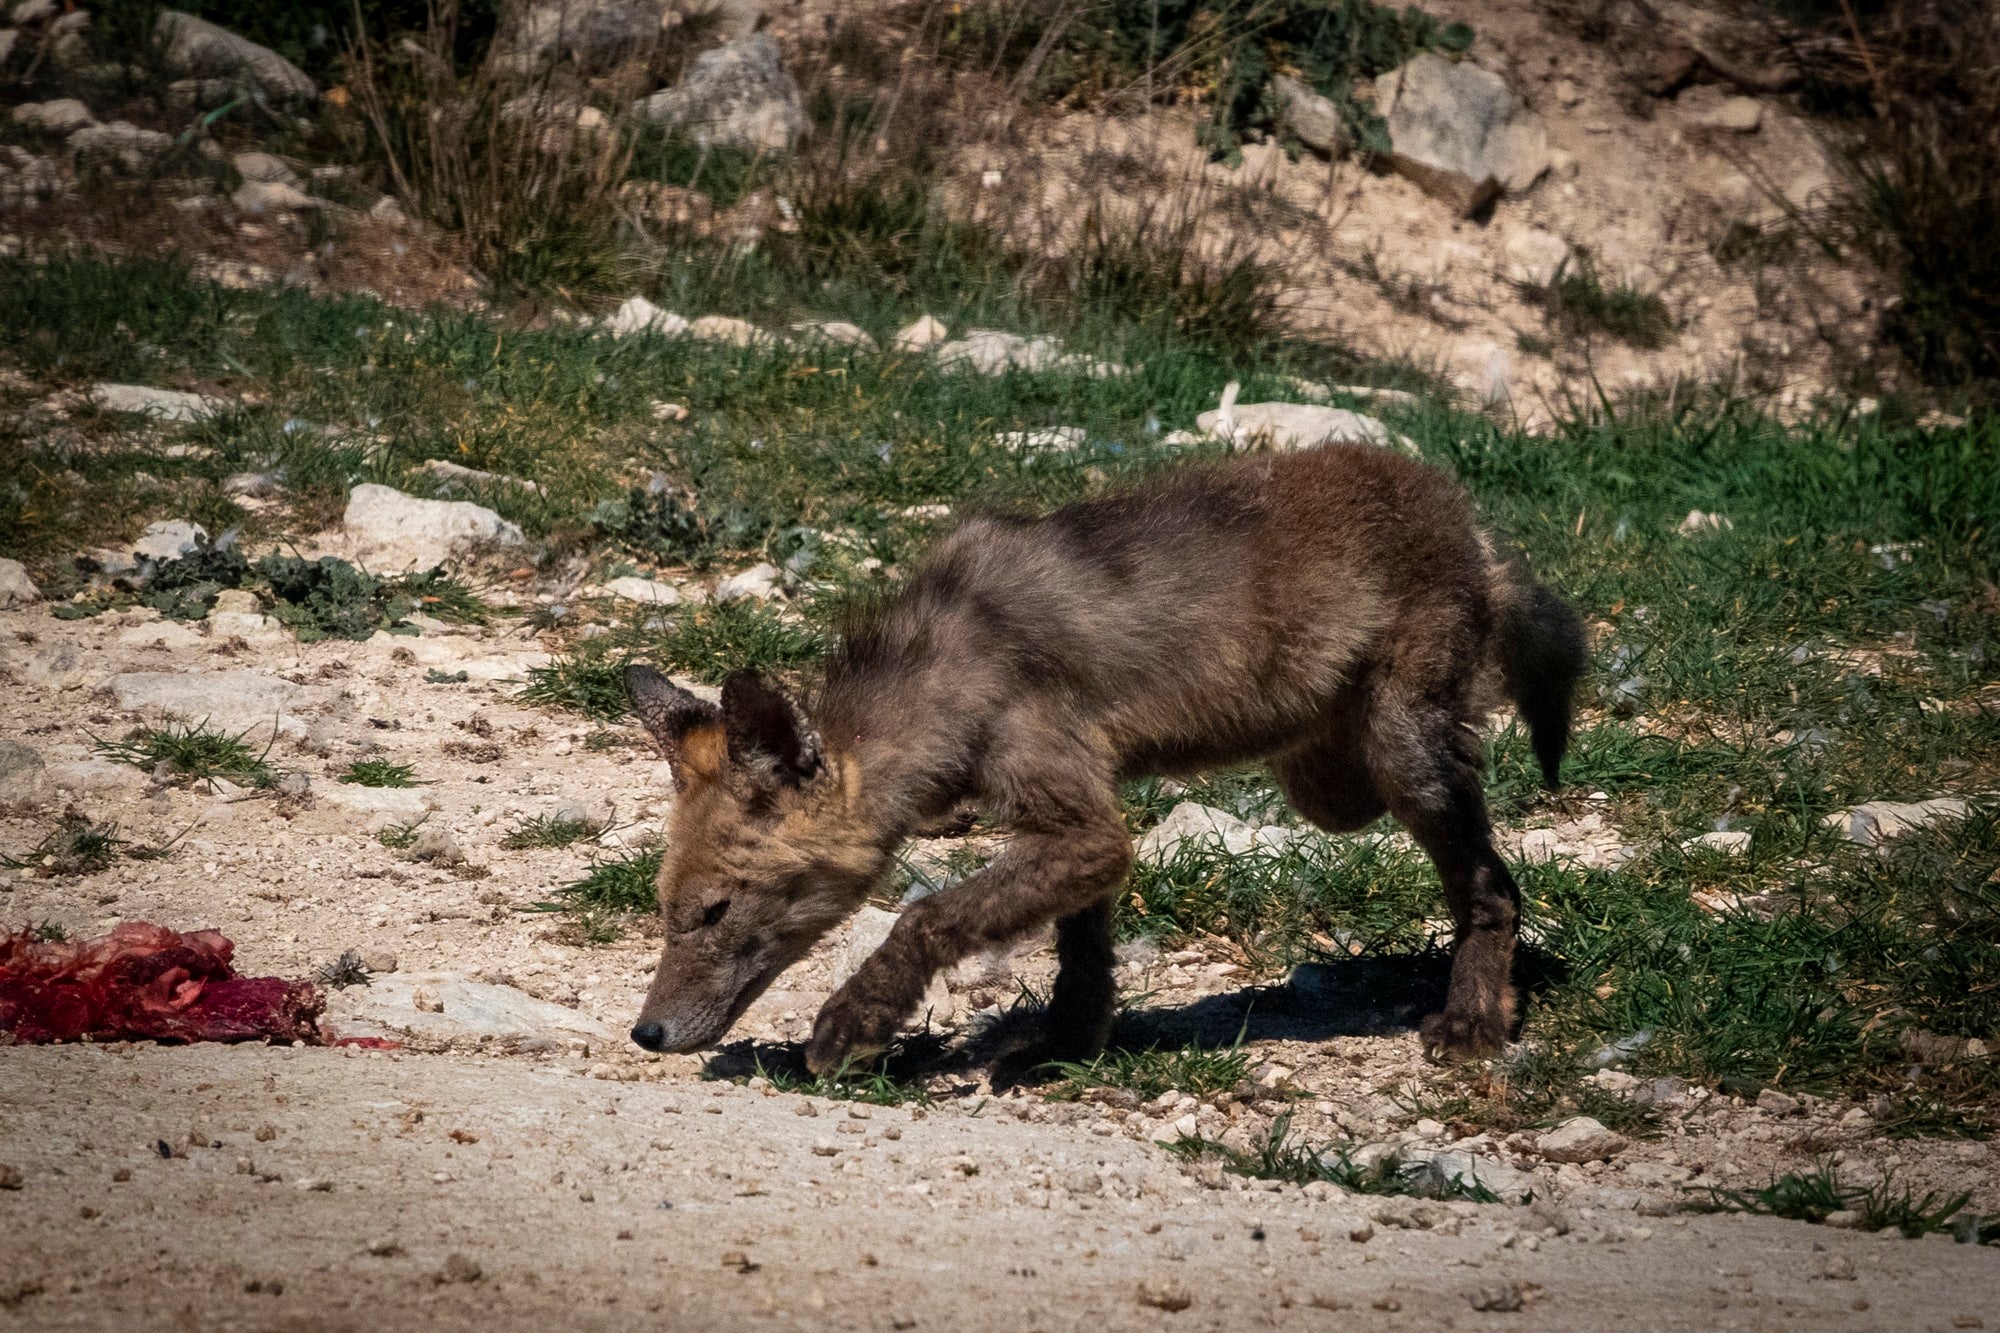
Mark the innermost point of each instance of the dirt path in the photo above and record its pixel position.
(357, 1189)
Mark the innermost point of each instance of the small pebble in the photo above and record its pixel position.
(1165, 1294)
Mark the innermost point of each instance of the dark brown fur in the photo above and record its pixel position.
(1337, 612)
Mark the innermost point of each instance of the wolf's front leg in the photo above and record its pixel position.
(1045, 874)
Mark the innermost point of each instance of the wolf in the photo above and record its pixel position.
(1338, 613)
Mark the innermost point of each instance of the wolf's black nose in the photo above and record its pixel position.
(650, 1035)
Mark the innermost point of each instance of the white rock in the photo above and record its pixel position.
(231, 701)
(995, 352)
(160, 404)
(259, 197)
(447, 471)
(34, 11)
(737, 95)
(865, 932)
(1540, 846)
(388, 210)
(922, 332)
(459, 1014)
(1698, 522)
(759, 581)
(1875, 822)
(169, 539)
(1534, 256)
(255, 166)
(1313, 119)
(97, 777)
(837, 332)
(392, 531)
(121, 142)
(1459, 131)
(1580, 1139)
(196, 48)
(16, 588)
(1444, 1173)
(64, 115)
(1192, 824)
(24, 778)
(387, 805)
(638, 315)
(1054, 440)
(663, 411)
(1291, 426)
(1730, 842)
(1705, 110)
(730, 331)
(630, 589)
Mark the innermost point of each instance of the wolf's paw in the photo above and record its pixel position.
(849, 1033)
(1451, 1038)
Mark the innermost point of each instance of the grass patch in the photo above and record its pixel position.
(193, 752)
(551, 831)
(378, 773)
(1818, 1194)
(79, 845)
(1298, 1163)
(873, 1084)
(1580, 303)
(1194, 1070)
(400, 837)
(586, 682)
(619, 884)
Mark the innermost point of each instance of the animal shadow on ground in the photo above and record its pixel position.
(1371, 995)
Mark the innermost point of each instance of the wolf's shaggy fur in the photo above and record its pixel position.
(1337, 612)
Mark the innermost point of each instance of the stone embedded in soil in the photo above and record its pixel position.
(835, 332)
(230, 701)
(1444, 1174)
(737, 95)
(385, 805)
(1291, 426)
(16, 588)
(160, 404)
(24, 778)
(1580, 1139)
(63, 115)
(1726, 842)
(259, 197)
(193, 47)
(392, 531)
(1193, 824)
(1460, 132)
(169, 540)
(760, 582)
(638, 315)
(1314, 119)
(469, 1014)
(1874, 822)
(922, 332)
(647, 591)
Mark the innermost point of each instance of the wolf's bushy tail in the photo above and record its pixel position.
(1543, 653)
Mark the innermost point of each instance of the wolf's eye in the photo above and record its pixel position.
(716, 911)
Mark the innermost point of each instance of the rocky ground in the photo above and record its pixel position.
(518, 1158)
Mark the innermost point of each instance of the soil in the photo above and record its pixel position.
(342, 1183)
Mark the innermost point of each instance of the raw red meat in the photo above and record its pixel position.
(145, 982)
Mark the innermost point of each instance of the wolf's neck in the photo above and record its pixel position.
(907, 700)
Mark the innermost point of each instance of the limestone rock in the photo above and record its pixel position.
(1460, 132)
(97, 777)
(1314, 119)
(24, 778)
(1290, 426)
(759, 581)
(384, 805)
(160, 404)
(1535, 256)
(920, 333)
(63, 115)
(646, 591)
(254, 166)
(1706, 110)
(459, 1014)
(392, 531)
(865, 934)
(729, 331)
(232, 701)
(638, 315)
(260, 197)
(16, 588)
(995, 352)
(1580, 1139)
(592, 35)
(447, 471)
(835, 332)
(119, 143)
(169, 539)
(738, 95)
(1192, 824)
(196, 48)
(1444, 1174)
(1874, 822)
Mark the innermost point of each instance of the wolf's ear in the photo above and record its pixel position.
(766, 734)
(687, 729)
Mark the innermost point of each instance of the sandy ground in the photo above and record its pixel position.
(334, 1189)
(342, 1183)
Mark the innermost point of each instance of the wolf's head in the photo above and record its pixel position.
(766, 851)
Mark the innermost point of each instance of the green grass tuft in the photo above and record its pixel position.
(193, 753)
(1816, 1195)
(586, 682)
(550, 831)
(1279, 1158)
(1194, 1070)
(378, 773)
